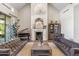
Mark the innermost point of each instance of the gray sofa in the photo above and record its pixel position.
(12, 48)
(5, 52)
(69, 48)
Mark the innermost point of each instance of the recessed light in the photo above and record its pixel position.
(12, 9)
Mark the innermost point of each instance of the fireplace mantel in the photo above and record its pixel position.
(38, 30)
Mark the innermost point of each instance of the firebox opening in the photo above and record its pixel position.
(39, 36)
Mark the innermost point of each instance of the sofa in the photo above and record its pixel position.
(4, 52)
(68, 47)
(12, 48)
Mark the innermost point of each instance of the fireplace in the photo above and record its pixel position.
(39, 22)
(39, 36)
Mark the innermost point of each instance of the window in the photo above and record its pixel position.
(2, 25)
(2, 30)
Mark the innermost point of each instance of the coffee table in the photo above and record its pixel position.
(41, 50)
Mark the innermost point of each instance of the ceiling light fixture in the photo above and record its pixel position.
(12, 9)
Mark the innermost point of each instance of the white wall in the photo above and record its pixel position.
(53, 13)
(25, 17)
(76, 23)
(70, 22)
(67, 22)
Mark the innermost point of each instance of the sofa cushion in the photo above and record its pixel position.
(4, 52)
(75, 45)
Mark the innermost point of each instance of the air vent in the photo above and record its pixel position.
(70, 3)
(6, 6)
(66, 10)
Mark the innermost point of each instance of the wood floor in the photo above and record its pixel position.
(26, 51)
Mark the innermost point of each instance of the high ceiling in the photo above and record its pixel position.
(59, 6)
(17, 5)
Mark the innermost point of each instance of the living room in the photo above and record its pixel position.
(50, 29)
